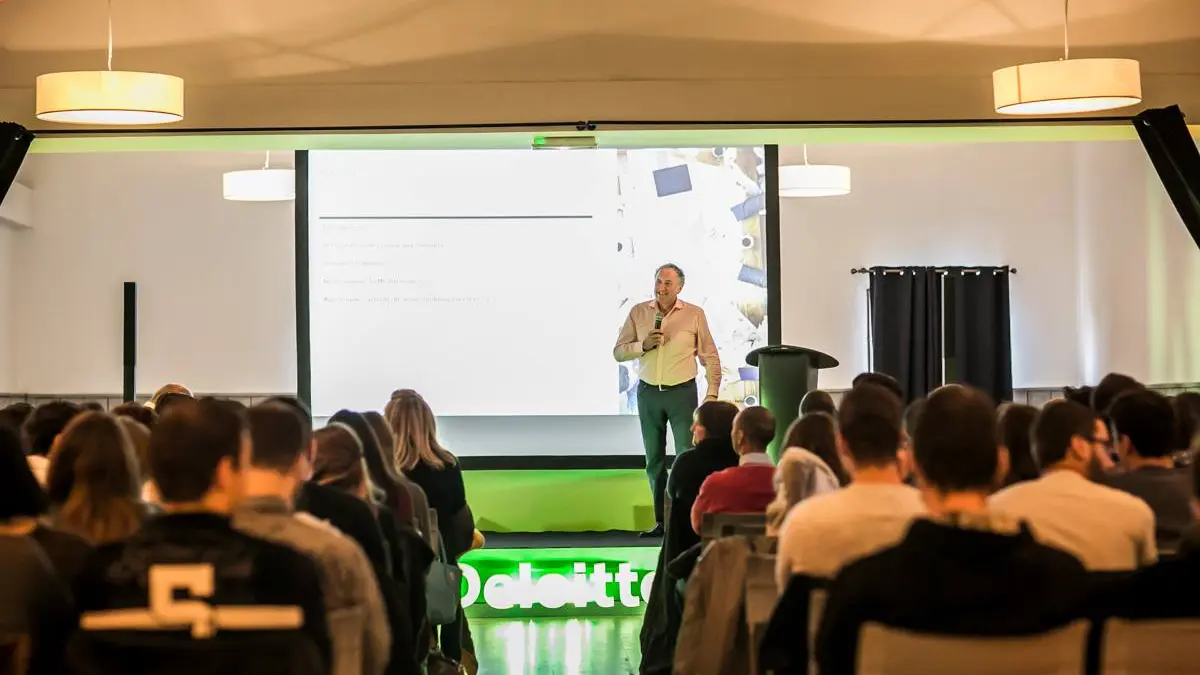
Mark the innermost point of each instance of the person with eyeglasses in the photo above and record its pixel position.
(1107, 529)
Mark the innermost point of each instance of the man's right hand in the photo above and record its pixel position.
(653, 340)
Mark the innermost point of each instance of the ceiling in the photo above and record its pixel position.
(309, 64)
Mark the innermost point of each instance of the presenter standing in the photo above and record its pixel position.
(667, 335)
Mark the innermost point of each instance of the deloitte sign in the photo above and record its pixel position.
(551, 581)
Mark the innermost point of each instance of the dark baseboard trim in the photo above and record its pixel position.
(556, 463)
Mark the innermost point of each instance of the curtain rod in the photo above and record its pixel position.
(1005, 269)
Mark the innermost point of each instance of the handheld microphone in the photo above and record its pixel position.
(658, 319)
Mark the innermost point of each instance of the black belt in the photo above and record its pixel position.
(665, 387)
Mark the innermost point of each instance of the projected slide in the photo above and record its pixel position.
(494, 282)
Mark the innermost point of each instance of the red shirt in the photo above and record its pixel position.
(747, 488)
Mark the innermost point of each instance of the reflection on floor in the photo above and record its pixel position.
(595, 646)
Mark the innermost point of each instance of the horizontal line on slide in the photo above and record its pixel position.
(542, 217)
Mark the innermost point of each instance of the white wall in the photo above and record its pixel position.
(1108, 277)
(216, 301)
(1105, 267)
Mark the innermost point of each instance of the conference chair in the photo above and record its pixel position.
(890, 651)
(1150, 647)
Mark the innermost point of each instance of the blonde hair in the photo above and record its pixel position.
(799, 475)
(415, 431)
(103, 504)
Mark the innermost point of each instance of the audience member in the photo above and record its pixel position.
(1080, 395)
(1110, 387)
(1108, 530)
(419, 455)
(272, 473)
(13, 415)
(817, 401)
(41, 428)
(34, 600)
(380, 470)
(817, 434)
(1016, 421)
(348, 513)
(1187, 421)
(962, 570)
(338, 466)
(94, 481)
(24, 509)
(712, 450)
(137, 411)
(1168, 590)
(167, 396)
(1144, 424)
(195, 452)
(749, 486)
(879, 380)
(799, 475)
(420, 503)
(139, 440)
(822, 534)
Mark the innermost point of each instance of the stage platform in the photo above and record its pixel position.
(559, 500)
(568, 574)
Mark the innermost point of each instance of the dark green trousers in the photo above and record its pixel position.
(656, 409)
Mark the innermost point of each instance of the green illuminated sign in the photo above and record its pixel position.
(540, 582)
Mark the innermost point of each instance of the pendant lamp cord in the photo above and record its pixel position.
(110, 38)
(1066, 29)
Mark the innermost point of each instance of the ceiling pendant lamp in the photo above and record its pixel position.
(813, 180)
(116, 97)
(1067, 85)
(260, 185)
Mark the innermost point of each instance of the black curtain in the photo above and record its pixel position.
(906, 327)
(979, 312)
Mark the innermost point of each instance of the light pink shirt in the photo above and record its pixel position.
(685, 338)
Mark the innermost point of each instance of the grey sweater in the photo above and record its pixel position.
(357, 622)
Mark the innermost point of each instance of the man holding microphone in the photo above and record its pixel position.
(667, 335)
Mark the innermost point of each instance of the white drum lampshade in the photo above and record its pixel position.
(109, 97)
(814, 180)
(1067, 86)
(260, 185)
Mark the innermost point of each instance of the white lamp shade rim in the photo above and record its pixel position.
(115, 97)
(1067, 86)
(259, 185)
(814, 180)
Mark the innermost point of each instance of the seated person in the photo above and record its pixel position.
(189, 577)
(962, 570)
(41, 428)
(748, 487)
(1108, 530)
(712, 451)
(822, 534)
(271, 475)
(1168, 590)
(1144, 423)
(35, 603)
(817, 401)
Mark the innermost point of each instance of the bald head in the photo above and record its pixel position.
(753, 430)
